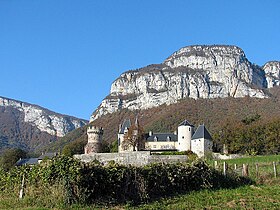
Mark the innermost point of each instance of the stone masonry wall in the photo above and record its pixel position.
(139, 158)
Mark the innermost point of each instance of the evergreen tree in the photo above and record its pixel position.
(10, 157)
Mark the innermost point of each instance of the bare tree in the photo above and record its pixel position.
(134, 138)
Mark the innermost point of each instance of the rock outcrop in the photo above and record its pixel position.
(272, 72)
(195, 72)
(29, 126)
(46, 121)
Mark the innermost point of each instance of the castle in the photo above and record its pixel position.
(184, 139)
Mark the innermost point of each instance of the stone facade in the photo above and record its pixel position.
(201, 146)
(161, 145)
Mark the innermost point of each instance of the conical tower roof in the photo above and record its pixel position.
(126, 124)
(185, 123)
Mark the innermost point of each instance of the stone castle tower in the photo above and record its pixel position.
(94, 139)
(185, 132)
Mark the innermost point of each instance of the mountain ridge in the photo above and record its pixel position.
(40, 107)
(197, 71)
(31, 127)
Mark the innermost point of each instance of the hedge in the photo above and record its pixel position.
(94, 183)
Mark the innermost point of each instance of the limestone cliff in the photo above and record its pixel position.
(272, 71)
(199, 71)
(29, 126)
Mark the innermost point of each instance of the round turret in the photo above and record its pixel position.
(94, 139)
(185, 132)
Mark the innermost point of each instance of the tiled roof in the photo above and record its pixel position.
(162, 137)
(27, 161)
(47, 155)
(185, 122)
(201, 132)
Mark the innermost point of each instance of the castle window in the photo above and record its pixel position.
(154, 146)
(183, 137)
(168, 138)
(155, 138)
(189, 129)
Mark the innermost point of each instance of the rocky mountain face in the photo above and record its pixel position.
(201, 71)
(272, 71)
(30, 127)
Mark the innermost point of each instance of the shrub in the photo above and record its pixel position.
(92, 182)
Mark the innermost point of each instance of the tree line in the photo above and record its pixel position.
(251, 136)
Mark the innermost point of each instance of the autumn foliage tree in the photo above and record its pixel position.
(134, 138)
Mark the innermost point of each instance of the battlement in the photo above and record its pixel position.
(95, 129)
(94, 139)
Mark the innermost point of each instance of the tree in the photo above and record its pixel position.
(114, 146)
(134, 138)
(74, 147)
(10, 157)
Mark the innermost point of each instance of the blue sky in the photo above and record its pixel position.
(64, 54)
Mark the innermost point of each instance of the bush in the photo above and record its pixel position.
(92, 182)
(191, 155)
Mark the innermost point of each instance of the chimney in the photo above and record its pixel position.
(150, 133)
(120, 127)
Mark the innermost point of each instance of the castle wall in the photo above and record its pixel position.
(92, 147)
(201, 146)
(197, 146)
(138, 158)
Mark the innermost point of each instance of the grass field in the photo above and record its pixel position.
(248, 197)
(253, 159)
(264, 164)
